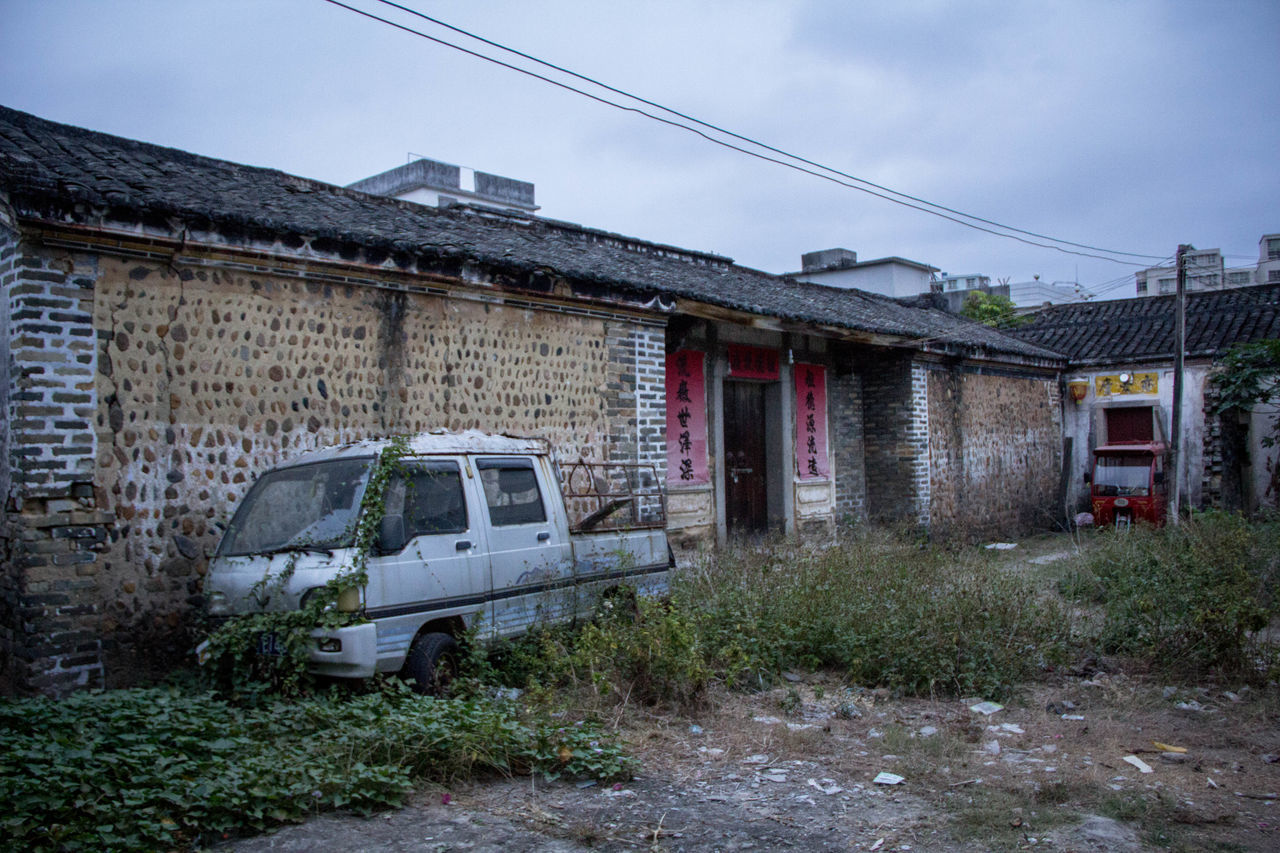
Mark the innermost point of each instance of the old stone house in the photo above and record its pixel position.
(174, 324)
(1121, 363)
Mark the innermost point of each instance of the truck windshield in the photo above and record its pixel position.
(310, 506)
(1128, 474)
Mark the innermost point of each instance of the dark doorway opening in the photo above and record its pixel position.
(746, 482)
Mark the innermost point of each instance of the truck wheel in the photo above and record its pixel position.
(431, 664)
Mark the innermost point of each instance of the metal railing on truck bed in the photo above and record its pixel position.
(613, 496)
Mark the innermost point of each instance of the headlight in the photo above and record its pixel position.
(218, 603)
(348, 600)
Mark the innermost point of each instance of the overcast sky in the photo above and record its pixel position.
(1132, 126)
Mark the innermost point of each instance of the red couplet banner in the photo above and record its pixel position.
(812, 459)
(686, 420)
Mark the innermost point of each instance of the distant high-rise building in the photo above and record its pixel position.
(1207, 271)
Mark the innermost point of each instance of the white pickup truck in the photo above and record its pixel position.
(476, 534)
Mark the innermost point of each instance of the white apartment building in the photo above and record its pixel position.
(1206, 270)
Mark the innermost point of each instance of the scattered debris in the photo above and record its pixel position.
(992, 747)
(1058, 708)
(927, 731)
(888, 779)
(1001, 546)
(986, 708)
(879, 843)
(587, 783)
(826, 786)
(1076, 718)
(695, 729)
(1189, 705)
(848, 711)
(768, 721)
(758, 758)
(1270, 758)
(1164, 747)
(1143, 767)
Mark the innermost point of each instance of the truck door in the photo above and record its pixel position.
(442, 569)
(531, 559)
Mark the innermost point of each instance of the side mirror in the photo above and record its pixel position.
(1159, 478)
(1088, 478)
(391, 536)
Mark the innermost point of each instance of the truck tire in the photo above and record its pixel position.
(431, 664)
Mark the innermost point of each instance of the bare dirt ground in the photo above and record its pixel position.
(797, 767)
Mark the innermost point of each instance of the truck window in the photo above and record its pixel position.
(429, 498)
(511, 491)
(305, 506)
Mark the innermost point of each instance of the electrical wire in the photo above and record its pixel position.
(757, 155)
(747, 139)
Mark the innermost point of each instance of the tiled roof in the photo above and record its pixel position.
(1143, 328)
(60, 172)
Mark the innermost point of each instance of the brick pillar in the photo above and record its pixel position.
(845, 399)
(895, 403)
(635, 398)
(54, 528)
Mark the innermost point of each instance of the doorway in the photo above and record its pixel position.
(746, 483)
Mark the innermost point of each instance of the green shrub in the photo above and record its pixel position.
(162, 769)
(1186, 599)
(650, 654)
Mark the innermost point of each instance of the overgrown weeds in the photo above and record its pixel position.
(881, 609)
(167, 768)
(1189, 601)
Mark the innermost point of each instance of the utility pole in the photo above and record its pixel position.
(1179, 349)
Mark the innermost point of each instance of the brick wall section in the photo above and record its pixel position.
(57, 530)
(896, 439)
(635, 396)
(10, 575)
(995, 453)
(845, 400)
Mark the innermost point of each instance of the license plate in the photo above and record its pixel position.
(269, 644)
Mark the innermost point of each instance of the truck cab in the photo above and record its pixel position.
(1129, 483)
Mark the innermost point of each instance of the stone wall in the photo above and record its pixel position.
(994, 452)
(169, 388)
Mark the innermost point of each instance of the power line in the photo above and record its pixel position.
(742, 138)
(856, 186)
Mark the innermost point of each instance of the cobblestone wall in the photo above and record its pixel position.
(994, 453)
(208, 374)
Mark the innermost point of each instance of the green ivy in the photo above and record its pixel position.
(162, 769)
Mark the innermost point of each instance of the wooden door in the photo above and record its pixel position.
(745, 488)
